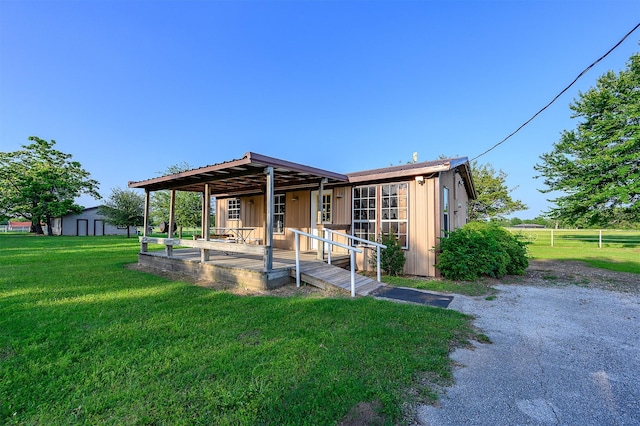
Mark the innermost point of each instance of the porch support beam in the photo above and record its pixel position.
(145, 223)
(206, 219)
(172, 219)
(320, 255)
(269, 198)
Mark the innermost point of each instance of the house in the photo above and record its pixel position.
(265, 201)
(88, 222)
(19, 226)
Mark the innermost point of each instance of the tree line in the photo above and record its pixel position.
(595, 169)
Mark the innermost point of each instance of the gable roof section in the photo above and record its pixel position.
(243, 176)
(425, 168)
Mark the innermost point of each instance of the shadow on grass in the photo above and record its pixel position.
(83, 340)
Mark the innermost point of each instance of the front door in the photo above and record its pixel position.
(324, 217)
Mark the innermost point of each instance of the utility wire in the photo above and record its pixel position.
(559, 94)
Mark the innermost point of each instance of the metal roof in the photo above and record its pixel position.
(246, 176)
(243, 176)
(425, 168)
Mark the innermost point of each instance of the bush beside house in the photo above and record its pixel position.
(481, 249)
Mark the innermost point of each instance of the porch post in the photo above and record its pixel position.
(145, 222)
(268, 235)
(206, 219)
(172, 218)
(320, 255)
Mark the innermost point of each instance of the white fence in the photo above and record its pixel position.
(579, 237)
(7, 228)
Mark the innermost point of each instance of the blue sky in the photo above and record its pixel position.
(130, 88)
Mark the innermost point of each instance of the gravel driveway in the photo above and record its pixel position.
(560, 355)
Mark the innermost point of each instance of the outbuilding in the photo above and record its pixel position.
(88, 222)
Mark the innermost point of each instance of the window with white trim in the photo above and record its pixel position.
(364, 212)
(326, 208)
(233, 209)
(278, 213)
(394, 211)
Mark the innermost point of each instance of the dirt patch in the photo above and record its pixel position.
(364, 414)
(555, 272)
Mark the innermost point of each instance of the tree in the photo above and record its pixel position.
(493, 199)
(124, 208)
(39, 183)
(188, 205)
(596, 166)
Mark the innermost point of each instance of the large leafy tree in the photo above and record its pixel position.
(40, 182)
(596, 166)
(493, 195)
(124, 207)
(188, 205)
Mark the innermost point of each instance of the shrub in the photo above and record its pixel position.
(391, 258)
(481, 248)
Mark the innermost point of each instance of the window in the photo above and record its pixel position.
(278, 213)
(394, 211)
(326, 208)
(233, 209)
(364, 212)
(445, 209)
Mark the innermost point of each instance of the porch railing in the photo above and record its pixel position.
(352, 252)
(367, 243)
(204, 245)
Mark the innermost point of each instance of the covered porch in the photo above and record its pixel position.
(251, 259)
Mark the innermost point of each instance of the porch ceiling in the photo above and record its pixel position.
(243, 176)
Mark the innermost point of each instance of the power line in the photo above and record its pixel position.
(559, 94)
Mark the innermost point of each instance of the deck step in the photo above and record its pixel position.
(324, 276)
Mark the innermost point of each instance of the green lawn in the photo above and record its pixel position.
(620, 249)
(85, 340)
(620, 252)
(471, 288)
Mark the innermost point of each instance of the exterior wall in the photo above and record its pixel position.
(89, 222)
(458, 199)
(425, 217)
(253, 213)
(297, 216)
(424, 223)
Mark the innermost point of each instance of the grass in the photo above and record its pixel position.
(620, 252)
(84, 340)
(620, 249)
(471, 288)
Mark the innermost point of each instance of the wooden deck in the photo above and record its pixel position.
(248, 270)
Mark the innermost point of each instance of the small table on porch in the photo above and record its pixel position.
(241, 234)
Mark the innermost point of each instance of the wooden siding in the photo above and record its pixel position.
(253, 212)
(423, 219)
(342, 205)
(424, 226)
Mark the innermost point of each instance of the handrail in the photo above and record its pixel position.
(207, 245)
(370, 243)
(352, 250)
